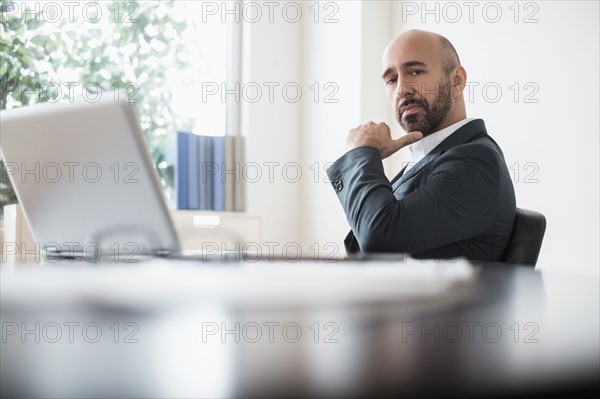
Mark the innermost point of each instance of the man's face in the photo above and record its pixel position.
(417, 87)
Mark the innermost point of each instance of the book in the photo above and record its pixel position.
(239, 192)
(228, 173)
(218, 179)
(180, 165)
(207, 170)
(193, 172)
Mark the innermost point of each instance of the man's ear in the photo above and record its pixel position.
(459, 77)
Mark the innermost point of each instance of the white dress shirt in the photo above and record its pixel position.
(424, 146)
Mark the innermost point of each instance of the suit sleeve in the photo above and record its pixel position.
(457, 200)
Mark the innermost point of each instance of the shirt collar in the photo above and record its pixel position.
(428, 143)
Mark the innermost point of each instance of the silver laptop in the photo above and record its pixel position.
(85, 179)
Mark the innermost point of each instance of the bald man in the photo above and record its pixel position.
(455, 198)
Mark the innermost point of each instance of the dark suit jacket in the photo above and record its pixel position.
(458, 201)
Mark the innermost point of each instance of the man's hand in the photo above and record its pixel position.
(378, 135)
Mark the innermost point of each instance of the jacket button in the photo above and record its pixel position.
(338, 185)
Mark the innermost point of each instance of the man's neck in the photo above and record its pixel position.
(450, 122)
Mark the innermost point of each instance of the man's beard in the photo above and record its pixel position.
(434, 114)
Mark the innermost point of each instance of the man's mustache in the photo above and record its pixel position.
(407, 102)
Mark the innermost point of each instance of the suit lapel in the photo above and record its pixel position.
(415, 169)
(461, 136)
(398, 176)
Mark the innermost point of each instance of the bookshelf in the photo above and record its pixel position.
(197, 230)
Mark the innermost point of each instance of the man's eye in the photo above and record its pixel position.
(416, 72)
(390, 81)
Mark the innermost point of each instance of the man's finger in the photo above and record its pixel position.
(403, 141)
(407, 139)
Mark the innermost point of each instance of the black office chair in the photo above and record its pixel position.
(526, 238)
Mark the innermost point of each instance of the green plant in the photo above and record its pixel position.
(22, 64)
(129, 49)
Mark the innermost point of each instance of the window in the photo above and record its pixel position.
(165, 56)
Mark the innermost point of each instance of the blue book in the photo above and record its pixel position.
(181, 171)
(193, 172)
(207, 170)
(218, 179)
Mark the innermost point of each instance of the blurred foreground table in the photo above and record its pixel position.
(385, 326)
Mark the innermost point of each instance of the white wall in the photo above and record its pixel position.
(331, 54)
(272, 127)
(557, 137)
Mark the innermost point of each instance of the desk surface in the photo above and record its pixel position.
(165, 328)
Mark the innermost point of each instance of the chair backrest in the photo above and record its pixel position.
(526, 238)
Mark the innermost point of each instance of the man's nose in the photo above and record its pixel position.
(404, 90)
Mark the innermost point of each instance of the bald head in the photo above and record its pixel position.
(448, 57)
(448, 54)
